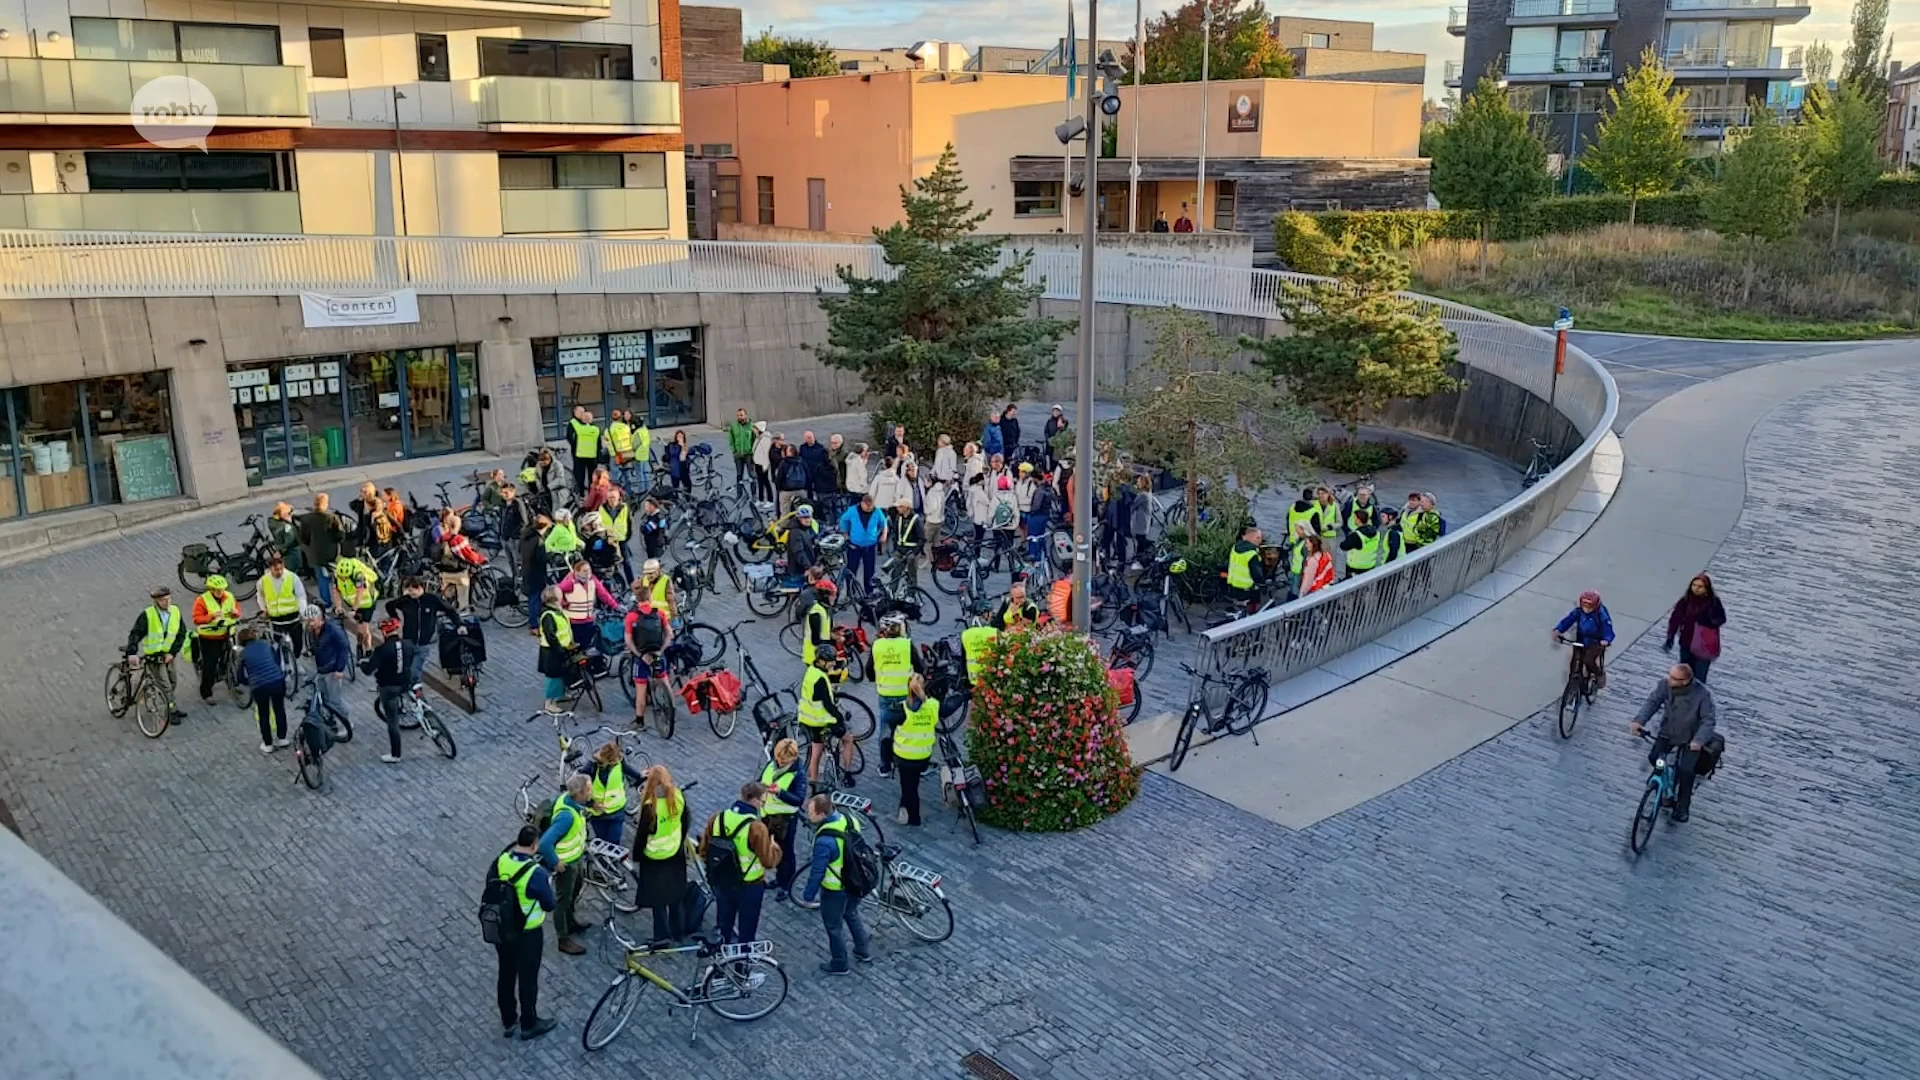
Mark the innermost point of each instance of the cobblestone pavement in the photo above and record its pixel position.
(1483, 921)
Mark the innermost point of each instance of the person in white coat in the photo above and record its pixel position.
(762, 462)
(1004, 512)
(974, 483)
(942, 478)
(858, 467)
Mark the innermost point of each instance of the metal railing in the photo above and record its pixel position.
(1541, 9)
(1732, 59)
(1450, 73)
(1549, 64)
(1456, 20)
(1717, 116)
(1716, 5)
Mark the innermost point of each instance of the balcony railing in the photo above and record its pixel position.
(1711, 5)
(1456, 20)
(1450, 73)
(107, 87)
(1716, 116)
(1542, 9)
(538, 9)
(1547, 64)
(266, 212)
(1733, 59)
(578, 210)
(538, 102)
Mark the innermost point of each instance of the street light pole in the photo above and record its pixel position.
(1133, 171)
(1083, 374)
(1206, 59)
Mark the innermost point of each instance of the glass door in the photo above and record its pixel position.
(582, 379)
(427, 376)
(374, 407)
(466, 397)
(676, 382)
(259, 415)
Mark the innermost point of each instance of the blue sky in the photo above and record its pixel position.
(1400, 24)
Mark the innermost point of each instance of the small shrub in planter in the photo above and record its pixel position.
(1045, 736)
(1356, 456)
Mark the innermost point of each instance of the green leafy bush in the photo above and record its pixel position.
(1309, 235)
(1357, 457)
(1299, 243)
(1044, 734)
(926, 421)
(1397, 229)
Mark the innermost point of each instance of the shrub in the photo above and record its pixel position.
(1299, 243)
(1044, 734)
(1397, 229)
(1895, 191)
(1403, 229)
(1223, 518)
(1357, 457)
(926, 421)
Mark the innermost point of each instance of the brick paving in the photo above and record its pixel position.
(1483, 921)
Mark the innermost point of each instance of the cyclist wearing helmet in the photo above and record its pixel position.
(817, 636)
(215, 614)
(895, 662)
(388, 667)
(1594, 631)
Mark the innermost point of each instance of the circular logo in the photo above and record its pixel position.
(174, 111)
(1243, 105)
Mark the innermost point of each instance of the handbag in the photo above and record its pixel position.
(1705, 642)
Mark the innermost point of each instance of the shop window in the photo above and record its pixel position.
(145, 170)
(96, 441)
(555, 59)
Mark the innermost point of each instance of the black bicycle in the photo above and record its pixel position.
(1245, 701)
(320, 728)
(1580, 684)
(242, 568)
(960, 783)
(1543, 461)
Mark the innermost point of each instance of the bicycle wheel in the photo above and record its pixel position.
(1183, 739)
(925, 913)
(1247, 704)
(470, 680)
(1140, 657)
(706, 638)
(482, 592)
(342, 728)
(690, 598)
(1644, 817)
(611, 1013)
(312, 771)
(1130, 712)
(768, 601)
(119, 691)
(660, 706)
(859, 717)
(953, 720)
(723, 723)
(194, 583)
(437, 730)
(623, 673)
(792, 636)
(151, 712)
(859, 765)
(743, 990)
(1569, 707)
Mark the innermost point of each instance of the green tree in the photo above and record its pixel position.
(804, 59)
(1357, 343)
(1817, 65)
(950, 330)
(1186, 410)
(1243, 44)
(1641, 148)
(1842, 151)
(1864, 63)
(1761, 196)
(1488, 159)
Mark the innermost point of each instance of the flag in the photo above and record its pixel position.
(1073, 52)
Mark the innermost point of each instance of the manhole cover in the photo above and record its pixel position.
(984, 1067)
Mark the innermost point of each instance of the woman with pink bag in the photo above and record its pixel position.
(1695, 622)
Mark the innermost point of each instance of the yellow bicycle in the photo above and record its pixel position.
(740, 982)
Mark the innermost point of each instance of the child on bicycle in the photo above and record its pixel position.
(1593, 631)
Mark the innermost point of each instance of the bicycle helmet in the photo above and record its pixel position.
(895, 619)
(826, 585)
(216, 583)
(1590, 597)
(388, 626)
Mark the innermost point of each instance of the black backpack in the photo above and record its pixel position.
(859, 863)
(501, 919)
(723, 859)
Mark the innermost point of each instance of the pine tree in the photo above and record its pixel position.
(950, 330)
(1843, 157)
(1641, 147)
(1488, 160)
(1762, 194)
(1357, 343)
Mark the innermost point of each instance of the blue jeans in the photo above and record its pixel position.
(841, 913)
(415, 659)
(323, 584)
(1036, 536)
(737, 912)
(861, 559)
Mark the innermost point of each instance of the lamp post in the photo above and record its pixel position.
(1133, 170)
(1726, 114)
(1206, 59)
(1083, 376)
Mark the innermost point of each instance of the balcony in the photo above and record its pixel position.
(1546, 67)
(1779, 12)
(570, 10)
(525, 103)
(1450, 73)
(1457, 22)
(1554, 12)
(225, 212)
(1712, 61)
(101, 91)
(580, 210)
(1714, 121)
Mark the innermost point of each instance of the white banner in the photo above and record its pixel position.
(396, 308)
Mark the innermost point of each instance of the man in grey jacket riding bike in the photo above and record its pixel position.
(1686, 725)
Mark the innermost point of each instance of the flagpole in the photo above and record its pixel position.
(1133, 171)
(1206, 59)
(1070, 54)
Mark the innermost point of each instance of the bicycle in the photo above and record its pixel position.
(913, 896)
(585, 685)
(694, 578)
(1579, 686)
(310, 745)
(603, 866)
(145, 694)
(1246, 699)
(661, 692)
(242, 568)
(960, 783)
(414, 707)
(1662, 786)
(857, 808)
(1543, 461)
(745, 973)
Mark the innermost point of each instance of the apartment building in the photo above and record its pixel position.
(1558, 57)
(1343, 49)
(1900, 135)
(457, 118)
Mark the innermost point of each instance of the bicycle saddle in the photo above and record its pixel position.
(889, 852)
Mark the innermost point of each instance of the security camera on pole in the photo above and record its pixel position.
(1105, 101)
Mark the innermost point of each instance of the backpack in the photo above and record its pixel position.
(501, 919)
(859, 864)
(722, 860)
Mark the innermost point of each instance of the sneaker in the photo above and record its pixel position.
(539, 1027)
(176, 715)
(266, 748)
(390, 759)
(829, 969)
(901, 817)
(867, 959)
(782, 896)
(1679, 817)
(849, 783)
(571, 948)
(509, 1030)
(283, 741)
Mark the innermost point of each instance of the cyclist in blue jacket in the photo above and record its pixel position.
(1595, 631)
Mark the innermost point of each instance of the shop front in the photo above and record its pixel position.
(324, 412)
(88, 442)
(657, 374)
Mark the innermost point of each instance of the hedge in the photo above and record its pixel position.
(1893, 192)
(1311, 243)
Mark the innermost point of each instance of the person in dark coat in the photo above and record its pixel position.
(1010, 430)
(660, 852)
(819, 463)
(1695, 622)
(1118, 522)
(1056, 423)
(321, 536)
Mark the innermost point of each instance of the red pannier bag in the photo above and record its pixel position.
(1121, 680)
(716, 690)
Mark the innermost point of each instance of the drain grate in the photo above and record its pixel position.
(984, 1067)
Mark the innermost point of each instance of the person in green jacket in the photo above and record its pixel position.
(740, 443)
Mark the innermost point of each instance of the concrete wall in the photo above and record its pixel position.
(1213, 248)
(1371, 65)
(1290, 32)
(1298, 118)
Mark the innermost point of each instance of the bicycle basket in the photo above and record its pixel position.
(197, 558)
(1121, 682)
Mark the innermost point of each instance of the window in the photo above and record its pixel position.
(542, 172)
(1223, 199)
(1527, 99)
(1036, 198)
(763, 188)
(555, 59)
(1585, 99)
(194, 43)
(726, 198)
(143, 170)
(432, 52)
(327, 48)
(1316, 41)
(1018, 67)
(716, 149)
